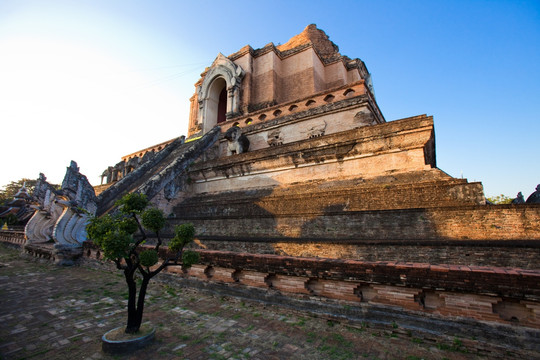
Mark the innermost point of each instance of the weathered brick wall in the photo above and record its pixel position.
(101, 188)
(476, 252)
(490, 294)
(318, 198)
(308, 66)
(244, 221)
(500, 222)
(396, 219)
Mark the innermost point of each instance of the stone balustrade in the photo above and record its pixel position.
(12, 237)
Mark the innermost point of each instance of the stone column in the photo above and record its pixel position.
(230, 99)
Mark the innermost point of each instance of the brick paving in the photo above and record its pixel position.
(51, 312)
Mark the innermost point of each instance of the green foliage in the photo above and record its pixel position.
(148, 258)
(153, 219)
(98, 228)
(114, 235)
(116, 244)
(184, 234)
(128, 225)
(189, 258)
(132, 203)
(500, 199)
(185, 231)
(8, 191)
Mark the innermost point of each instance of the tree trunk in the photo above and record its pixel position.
(140, 302)
(135, 313)
(132, 324)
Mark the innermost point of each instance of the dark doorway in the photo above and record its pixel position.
(222, 106)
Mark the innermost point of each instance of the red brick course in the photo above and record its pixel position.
(491, 294)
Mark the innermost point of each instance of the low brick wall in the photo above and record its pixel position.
(489, 294)
(12, 237)
(513, 254)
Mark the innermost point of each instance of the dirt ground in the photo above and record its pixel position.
(51, 312)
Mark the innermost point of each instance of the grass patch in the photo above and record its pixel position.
(200, 340)
(40, 352)
(353, 329)
(331, 323)
(109, 293)
(217, 356)
(336, 347)
(457, 346)
(300, 322)
(336, 352)
(170, 290)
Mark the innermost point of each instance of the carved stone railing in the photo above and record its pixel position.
(153, 176)
(13, 236)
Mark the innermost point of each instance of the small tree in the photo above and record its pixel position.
(120, 237)
(500, 199)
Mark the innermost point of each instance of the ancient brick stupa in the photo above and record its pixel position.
(288, 152)
(301, 191)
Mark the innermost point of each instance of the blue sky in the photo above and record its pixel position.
(91, 81)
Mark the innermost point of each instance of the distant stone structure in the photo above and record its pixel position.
(534, 198)
(519, 199)
(18, 208)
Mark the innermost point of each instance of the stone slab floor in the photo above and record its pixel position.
(50, 312)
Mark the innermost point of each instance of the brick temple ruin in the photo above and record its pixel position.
(303, 194)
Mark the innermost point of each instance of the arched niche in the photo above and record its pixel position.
(219, 93)
(216, 102)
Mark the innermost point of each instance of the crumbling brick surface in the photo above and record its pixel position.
(493, 294)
